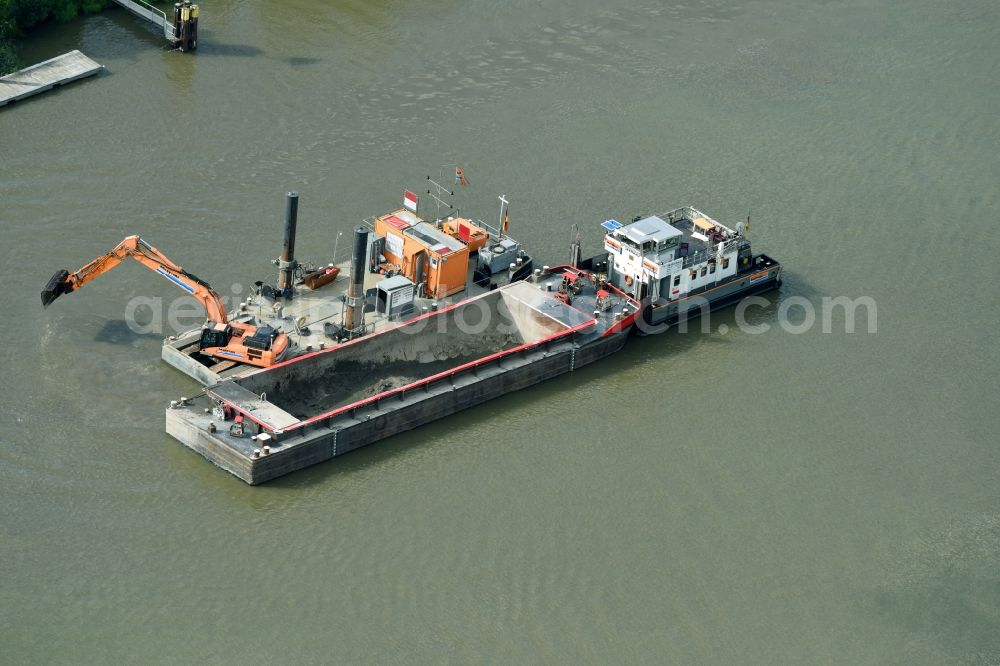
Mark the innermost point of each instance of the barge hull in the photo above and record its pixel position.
(371, 424)
(316, 407)
(669, 314)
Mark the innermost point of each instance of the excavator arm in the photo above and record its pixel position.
(236, 342)
(64, 282)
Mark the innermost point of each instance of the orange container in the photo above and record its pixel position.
(467, 232)
(445, 258)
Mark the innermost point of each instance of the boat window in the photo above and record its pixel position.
(711, 268)
(725, 263)
(677, 280)
(704, 270)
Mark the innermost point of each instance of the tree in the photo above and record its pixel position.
(17, 16)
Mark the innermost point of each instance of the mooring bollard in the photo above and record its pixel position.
(186, 25)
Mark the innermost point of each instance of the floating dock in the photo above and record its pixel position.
(46, 75)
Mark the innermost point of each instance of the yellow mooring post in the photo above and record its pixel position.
(186, 25)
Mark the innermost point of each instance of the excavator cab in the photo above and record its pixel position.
(216, 335)
(257, 345)
(261, 340)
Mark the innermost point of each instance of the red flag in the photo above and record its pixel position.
(410, 200)
(460, 176)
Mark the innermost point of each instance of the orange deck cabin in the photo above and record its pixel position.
(467, 232)
(410, 241)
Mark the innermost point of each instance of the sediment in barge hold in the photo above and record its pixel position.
(472, 330)
(328, 403)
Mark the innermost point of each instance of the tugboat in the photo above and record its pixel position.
(682, 264)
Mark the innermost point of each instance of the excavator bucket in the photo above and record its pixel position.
(57, 286)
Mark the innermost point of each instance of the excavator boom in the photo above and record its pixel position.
(232, 341)
(64, 282)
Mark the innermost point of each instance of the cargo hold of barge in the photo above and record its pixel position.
(270, 422)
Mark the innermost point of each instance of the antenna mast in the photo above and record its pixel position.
(437, 193)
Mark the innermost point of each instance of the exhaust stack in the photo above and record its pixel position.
(286, 263)
(575, 255)
(354, 313)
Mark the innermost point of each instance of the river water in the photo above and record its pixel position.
(708, 497)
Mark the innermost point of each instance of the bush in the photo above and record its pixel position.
(66, 12)
(16, 16)
(24, 14)
(8, 59)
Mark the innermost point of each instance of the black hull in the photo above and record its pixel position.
(658, 318)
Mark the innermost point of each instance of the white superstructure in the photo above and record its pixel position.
(671, 255)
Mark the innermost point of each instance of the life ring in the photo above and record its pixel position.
(628, 280)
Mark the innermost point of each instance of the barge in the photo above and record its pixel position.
(270, 422)
(428, 317)
(400, 266)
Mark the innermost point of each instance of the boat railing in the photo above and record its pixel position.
(696, 258)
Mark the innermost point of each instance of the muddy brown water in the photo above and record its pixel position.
(702, 498)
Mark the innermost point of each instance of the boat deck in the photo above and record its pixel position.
(305, 319)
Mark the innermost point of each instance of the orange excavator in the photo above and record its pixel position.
(230, 340)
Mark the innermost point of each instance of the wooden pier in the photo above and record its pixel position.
(46, 75)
